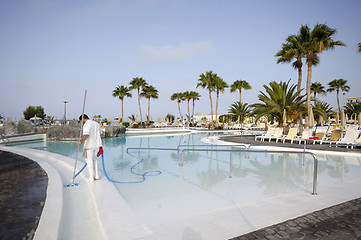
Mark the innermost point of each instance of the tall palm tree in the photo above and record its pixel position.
(219, 85)
(121, 92)
(206, 81)
(336, 85)
(179, 97)
(317, 88)
(293, 49)
(149, 92)
(315, 41)
(194, 96)
(187, 97)
(138, 83)
(239, 111)
(278, 98)
(239, 85)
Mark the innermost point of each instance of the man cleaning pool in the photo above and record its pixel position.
(92, 145)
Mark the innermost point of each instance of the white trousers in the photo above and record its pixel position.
(92, 162)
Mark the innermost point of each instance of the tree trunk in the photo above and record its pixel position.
(121, 124)
(299, 85)
(180, 114)
(148, 110)
(338, 100)
(193, 112)
(140, 110)
(189, 114)
(240, 95)
(309, 74)
(210, 99)
(217, 107)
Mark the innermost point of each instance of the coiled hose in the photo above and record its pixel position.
(148, 173)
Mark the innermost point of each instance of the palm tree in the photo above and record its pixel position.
(132, 117)
(170, 117)
(315, 42)
(238, 85)
(206, 81)
(322, 109)
(194, 96)
(317, 87)
(138, 83)
(220, 85)
(353, 108)
(278, 98)
(239, 111)
(179, 97)
(293, 49)
(149, 92)
(336, 85)
(121, 92)
(359, 47)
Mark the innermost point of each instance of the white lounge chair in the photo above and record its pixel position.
(292, 133)
(306, 134)
(319, 136)
(356, 143)
(351, 135)
(269, 133)
(336, 134)
(278, 133)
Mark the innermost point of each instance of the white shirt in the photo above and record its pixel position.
(93, 130)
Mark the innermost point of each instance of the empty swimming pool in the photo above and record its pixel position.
(202, 188)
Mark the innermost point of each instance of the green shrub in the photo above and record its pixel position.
(31, 111)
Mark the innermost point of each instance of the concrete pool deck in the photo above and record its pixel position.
(68, 212)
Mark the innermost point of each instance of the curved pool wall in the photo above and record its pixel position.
(190, 200)
(87, 211)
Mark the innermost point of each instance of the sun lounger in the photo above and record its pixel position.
(317, 138)
(330, 129)
(356, 143)
(322, 129)
(278, 133)
(336, 134)
(269, 133)
(292, 133)
(306, 134)
(351, 135)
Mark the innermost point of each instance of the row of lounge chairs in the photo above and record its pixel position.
(351, 137)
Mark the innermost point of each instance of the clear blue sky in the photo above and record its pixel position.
(51, 51)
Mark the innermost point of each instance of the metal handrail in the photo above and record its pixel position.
(180, 156)
(315, 160)
(140, 148)
(4, 137)
(181, 145)
(207, 145)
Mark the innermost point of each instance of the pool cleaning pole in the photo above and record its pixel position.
(81, 133)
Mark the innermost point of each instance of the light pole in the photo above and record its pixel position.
(65, 102)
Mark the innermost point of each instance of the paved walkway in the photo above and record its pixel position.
(342, 221)
(23, 185)
(337, 222)
(247, 139)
